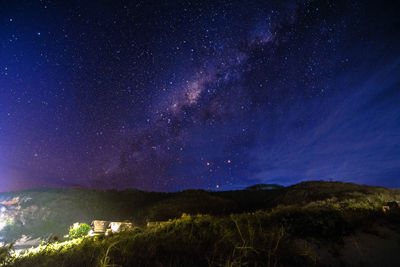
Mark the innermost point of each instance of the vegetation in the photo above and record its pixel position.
(78, 230)
(6, 254)
(308, 224)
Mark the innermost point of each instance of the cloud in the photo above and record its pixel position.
(349, 137)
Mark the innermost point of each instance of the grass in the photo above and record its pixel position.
(261, 237)
(199, 240)
(249, 239)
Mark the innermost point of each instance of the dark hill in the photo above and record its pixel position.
(264, 187)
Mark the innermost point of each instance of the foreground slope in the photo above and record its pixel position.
(30, 217)
(311, 223)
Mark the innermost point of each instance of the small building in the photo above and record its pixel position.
(99, 227)
(105, 227)
(117, 227)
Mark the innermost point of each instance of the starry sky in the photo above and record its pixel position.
(220, 95)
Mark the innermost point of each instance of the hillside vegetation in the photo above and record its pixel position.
(308, 224)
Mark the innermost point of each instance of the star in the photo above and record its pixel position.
(178, 94)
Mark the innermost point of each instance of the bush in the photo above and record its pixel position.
(79, 230)
(5, 253)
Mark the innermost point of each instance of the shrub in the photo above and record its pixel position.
(79, 230)
(5, 253)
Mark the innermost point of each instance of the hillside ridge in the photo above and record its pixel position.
(38, 214)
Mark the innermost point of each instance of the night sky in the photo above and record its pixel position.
(217, 95)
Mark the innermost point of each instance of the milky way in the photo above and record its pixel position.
(216, 95)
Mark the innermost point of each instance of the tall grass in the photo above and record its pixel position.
(260, 238)
(249, 239)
